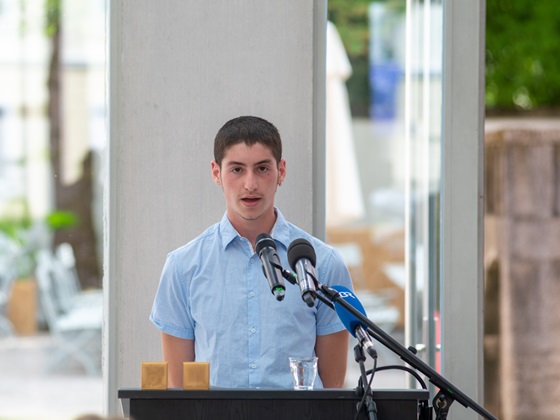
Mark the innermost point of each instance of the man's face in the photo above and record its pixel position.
(249, 176)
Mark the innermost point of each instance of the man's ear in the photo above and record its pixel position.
(281, 171)
(216, 173)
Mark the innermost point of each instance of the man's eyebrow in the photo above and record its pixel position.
(262, 162)
(234, 163)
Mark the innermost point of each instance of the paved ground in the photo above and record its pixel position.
(28, 392)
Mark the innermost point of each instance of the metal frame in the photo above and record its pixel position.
(462, 196)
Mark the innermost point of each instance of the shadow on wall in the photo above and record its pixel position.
(492, 388)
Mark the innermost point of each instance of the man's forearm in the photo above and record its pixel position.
(332, 351)
(176, 351)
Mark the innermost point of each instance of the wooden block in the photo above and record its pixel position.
(154, 375)
(196, 375)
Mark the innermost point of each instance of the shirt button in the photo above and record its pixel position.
(252, 294)
(251, 260)
(253, 366)
(253, 330)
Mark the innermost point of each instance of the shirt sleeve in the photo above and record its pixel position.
(171, 310)
(333, 272)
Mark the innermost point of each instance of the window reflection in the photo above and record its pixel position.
(390, 182)
(45, 161)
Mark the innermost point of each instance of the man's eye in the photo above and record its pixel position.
(263, 169)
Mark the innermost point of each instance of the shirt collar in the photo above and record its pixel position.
(227, 231)
(280, 231)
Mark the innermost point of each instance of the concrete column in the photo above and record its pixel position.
(523, 170)
(178, 70)
(461, 204)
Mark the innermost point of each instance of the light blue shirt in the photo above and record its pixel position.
(213, 290)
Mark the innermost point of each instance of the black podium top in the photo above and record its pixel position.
(259, 394)
(266, 403)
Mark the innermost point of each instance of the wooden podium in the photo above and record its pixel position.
(219, 403)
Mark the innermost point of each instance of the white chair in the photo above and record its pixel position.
(7, 275)
(6, 327)
(75, 329)
(70, 293)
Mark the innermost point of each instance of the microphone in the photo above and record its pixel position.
(356, 327)
(272, 269)
(301, 257)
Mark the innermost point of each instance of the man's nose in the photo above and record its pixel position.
(250, 182)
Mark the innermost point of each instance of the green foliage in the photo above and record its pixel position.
(62, 220)
(522, 50)
(27, 236)
(351, 20)
(22, 249)
(53, 10)
(12, 226)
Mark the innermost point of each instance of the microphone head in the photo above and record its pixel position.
(298, 249)
(264, 240)
(347, 318)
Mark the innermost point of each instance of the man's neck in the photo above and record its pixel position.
(250, 229)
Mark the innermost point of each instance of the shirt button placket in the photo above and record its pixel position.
(253, 278)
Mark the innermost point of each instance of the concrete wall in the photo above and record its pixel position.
(178, 70)
(523, 246)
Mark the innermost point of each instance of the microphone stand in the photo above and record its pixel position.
(447, 391)
(365, 387)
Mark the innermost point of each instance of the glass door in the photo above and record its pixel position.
(423, 87)
(384, 117)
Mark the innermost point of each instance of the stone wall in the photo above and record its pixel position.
(522, 257)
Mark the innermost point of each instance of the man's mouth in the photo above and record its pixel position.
(250, 200)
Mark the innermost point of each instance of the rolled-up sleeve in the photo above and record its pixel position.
(171, 311)
(333, 271)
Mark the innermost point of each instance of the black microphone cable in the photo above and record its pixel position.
(367, 397)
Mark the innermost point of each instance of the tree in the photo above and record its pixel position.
(351, 21)
(76, 198)
(351, 18)
(522, 50)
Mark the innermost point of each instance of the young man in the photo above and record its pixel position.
(214, 304)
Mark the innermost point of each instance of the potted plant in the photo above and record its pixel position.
(25, 238)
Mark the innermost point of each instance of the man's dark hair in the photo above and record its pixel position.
(249, 130)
